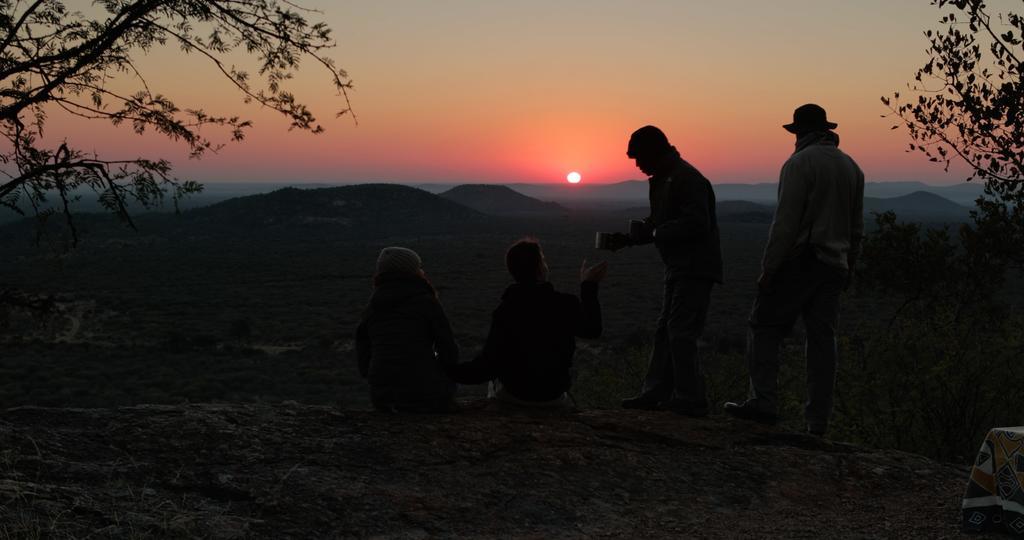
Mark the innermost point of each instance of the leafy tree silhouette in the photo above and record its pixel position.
(966, 104)
(55, 60)
(944, 363)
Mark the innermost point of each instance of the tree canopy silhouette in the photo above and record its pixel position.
(941, 365)
(966, 104)
(55, 60)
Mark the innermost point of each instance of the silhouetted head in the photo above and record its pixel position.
(397, 261)
(525, 261)
(648, 147)
(808, 118)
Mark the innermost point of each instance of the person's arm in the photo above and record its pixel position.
(785, 226)
(694, 219)
(588, 316)
(444, 339)
(857, 227)
(587, 310)
(363, 348)
(484, 367)
(645, 236)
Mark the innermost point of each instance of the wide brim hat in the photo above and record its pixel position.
(809, 117)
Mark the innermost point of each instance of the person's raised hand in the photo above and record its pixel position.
(594, 273)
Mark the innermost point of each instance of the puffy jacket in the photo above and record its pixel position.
(532, 340)
(404, 345)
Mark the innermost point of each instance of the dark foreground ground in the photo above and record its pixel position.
(297, 471)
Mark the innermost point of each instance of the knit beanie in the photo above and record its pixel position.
(399, 260)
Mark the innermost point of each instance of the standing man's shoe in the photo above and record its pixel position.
(749, 411)
(644, 402)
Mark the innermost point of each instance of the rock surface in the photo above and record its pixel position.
(297, 471)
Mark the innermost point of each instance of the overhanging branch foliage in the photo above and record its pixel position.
(966, 104)
(56, 60)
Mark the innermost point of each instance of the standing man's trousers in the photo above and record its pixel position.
(675, 371)
(804, 287)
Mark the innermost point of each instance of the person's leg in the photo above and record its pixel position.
(821, 317)
(771, 319)
(657, 385)
(687, 315)
(658, 381)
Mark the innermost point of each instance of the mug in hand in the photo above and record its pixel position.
(636, 229)
(603, 240)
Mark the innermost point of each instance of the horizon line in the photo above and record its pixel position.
(563, 184)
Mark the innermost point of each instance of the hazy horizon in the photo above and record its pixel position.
(582, 184)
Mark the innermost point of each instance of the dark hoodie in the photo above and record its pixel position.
(532, 339)
(404, 344)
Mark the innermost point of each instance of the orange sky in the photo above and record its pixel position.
(526, 91)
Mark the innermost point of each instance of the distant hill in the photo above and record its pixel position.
(744, 212)
(212, 193)
(727, 211)
(499, 200)
(963, 193)
(918, 206)
(614, 196)
(630, 192)
(383, 210)
(365, 210)
(347, 212)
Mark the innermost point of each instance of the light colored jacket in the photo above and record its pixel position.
(821, 206)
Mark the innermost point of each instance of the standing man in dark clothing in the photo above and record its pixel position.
(812, 248)
(532, 339)
(684, 228)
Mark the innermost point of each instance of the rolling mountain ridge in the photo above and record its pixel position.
(500, 200)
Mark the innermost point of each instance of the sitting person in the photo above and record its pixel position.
(531, 342)
(404, 342)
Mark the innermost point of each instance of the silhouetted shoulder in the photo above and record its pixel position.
(688, 171)
(817, 151)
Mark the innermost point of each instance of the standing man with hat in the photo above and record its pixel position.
(684, 228)
(812, 249)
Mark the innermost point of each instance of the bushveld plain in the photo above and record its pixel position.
(231, 327)
(256, 298)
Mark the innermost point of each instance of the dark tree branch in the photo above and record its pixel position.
(18, 25)
(53, 60)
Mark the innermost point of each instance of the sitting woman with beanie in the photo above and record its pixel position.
(404, 342)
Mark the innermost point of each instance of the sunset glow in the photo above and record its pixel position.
(574, 177)
(459, 94)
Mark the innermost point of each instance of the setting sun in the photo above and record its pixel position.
(574, 177)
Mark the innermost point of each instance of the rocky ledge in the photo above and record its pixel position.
(297, 471)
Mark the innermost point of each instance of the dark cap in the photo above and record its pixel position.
(809, 117)
(647, 141)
